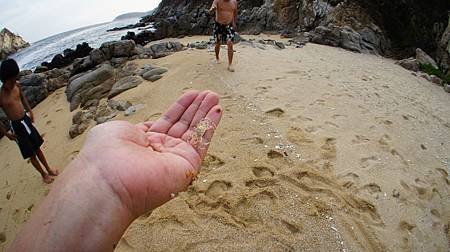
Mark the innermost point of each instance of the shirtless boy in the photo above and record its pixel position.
(13, 103)
(225, 26)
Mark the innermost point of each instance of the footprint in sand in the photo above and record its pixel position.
(217, 188)
(252, 140)
(8, 195)
(360, 139)
(252, 209)
(2, 237)
(261, 183)
(298, 136)
(292, 227)
(274, 154)
(332, 124)
(262, 171)
(369, 162)
(320, 102)
(328, 150)
(372, 188)
(212, 162)
(277, 112)
(350, 180)
(48, 122)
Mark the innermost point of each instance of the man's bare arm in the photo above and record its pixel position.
(213, 8)
(25, 103)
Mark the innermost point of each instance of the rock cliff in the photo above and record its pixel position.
(10, 43)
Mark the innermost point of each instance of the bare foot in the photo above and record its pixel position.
(47, 179)
(53, 173)
(231, 69)
(218, 61)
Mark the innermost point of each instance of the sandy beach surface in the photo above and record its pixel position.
(319, 149)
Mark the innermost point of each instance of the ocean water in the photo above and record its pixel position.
(46, 49)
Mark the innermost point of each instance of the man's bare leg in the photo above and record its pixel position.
(230, 55)
(47, 179)
(217, 52)
(43, 160)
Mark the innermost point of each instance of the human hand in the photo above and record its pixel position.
(146, 164)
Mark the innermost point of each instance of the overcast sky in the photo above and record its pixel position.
(38, 19)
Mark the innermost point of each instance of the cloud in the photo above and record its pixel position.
(35, 20)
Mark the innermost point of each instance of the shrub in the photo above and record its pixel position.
(430, 70)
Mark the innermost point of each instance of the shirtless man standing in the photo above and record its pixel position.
(13, 103)
(225, 26)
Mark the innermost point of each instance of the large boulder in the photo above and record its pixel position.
(443, 53)
(123, 85)
(89, 81)
(411, 64)
(34, 88)
(118, 49)
(424, 59)
(68, 56)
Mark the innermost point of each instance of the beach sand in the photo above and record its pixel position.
(319, 149)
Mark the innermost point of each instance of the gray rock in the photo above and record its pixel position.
(436, 80)
(124, 48)
(350, 40)
(119, 61)
(103, 119)
(425, 76)
(118, 49)
(424, 58)
(280, 45)
(82, 65)
(33, 80)
(119, 105)
(145, 69)
(447, 88)
(40, 69)
(97, 56)
(154, 78)
(34, 88)
(89, 80)
(199, 45)
(153, 72)
(411, 64)
(124, 84)
(326, 36)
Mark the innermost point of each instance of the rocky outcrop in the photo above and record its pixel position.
(68, 57)
(10, 43)
(443, 52)
(386, 27)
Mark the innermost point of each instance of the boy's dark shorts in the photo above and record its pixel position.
(28, 138)
(223, 33)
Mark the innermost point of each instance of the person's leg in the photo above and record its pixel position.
(217, 51)
(43, 160)
(230, 55)
(47, 179)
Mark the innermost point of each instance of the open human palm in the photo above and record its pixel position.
(148, 163)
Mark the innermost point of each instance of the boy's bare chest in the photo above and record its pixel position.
(10, 99)
(226, 6)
